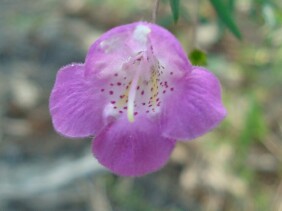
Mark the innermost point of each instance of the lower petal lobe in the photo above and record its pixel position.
(194, 108)
(132, 149)
(75, 104)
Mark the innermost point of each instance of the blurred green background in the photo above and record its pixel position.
(235, 167)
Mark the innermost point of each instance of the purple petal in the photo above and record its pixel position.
(194, 108)
(75, 104)
(132, 149)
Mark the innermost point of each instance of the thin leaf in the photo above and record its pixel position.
(254, 127)
(174, 6)
(231, 5)
(224, 14)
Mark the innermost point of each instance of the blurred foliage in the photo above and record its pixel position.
(254, 128)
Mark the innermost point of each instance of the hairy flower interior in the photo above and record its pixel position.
(138, 87)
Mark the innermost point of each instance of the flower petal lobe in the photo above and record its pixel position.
(75, 105)
(195, 108)
(132, 149)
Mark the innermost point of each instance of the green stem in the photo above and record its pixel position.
(155, 11)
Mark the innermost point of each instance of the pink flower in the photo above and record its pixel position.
(137, 93)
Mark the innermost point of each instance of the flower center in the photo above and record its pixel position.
(138, 87)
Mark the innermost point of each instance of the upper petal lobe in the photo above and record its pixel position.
(119, 44)
(194, 108)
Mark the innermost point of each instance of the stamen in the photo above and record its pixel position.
(132, 93)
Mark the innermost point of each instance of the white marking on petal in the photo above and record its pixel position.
(110, 111)
(140, 33)
(110, 44)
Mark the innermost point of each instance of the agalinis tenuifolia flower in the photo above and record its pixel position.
(137, 94)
